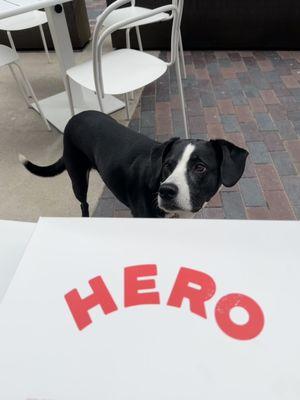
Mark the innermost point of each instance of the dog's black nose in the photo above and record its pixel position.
(168, 191)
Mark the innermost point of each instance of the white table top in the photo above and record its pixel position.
(14, 237)
(9, 8)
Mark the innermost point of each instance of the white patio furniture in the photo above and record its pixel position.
(132, 11)
(56, 107)
(24, 21)
(125, 70)
(8, 57)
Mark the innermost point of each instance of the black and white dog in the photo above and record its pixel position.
(153, 179)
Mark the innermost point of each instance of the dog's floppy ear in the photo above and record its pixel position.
(233, 160)
(157, 157)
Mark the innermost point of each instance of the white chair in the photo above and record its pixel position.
(132, 11)
(125, 70)
(24, 21)
(8, 57)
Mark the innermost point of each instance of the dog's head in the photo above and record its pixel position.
(188, 173)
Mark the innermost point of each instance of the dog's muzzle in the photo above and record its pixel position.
(167, 195)
(168, 191)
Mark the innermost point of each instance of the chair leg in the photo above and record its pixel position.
(100, 102)
(138, 35)
(45, 43)
(12, 45)
(21, 88)
(180, 89)
(11, 42)
(32, 94)
(182, 56)
(69, 94)
(128, 44)
(127, 105)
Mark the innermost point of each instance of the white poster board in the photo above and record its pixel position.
(154, 351)
(14, 237)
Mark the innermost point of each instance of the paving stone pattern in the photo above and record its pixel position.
(251, 98)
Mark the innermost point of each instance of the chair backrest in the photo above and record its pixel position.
(175, 8)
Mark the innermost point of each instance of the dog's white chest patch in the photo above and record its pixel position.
(179, 178)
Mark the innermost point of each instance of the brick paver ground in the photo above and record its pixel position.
(94, 8)
(251, 98)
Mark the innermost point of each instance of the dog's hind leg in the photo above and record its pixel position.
(79, 170)
(80, 183)
(85, 209)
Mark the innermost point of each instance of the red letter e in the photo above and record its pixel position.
(134, 283)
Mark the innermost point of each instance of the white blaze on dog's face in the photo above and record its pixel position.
(178, 178)
(193, 171)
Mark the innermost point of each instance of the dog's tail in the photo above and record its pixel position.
(47, 171)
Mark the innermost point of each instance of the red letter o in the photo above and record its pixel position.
(246, 331)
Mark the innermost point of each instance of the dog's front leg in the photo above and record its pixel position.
(144, 211)
(137, 214)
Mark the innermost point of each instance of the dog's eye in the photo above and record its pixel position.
(200, 168)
